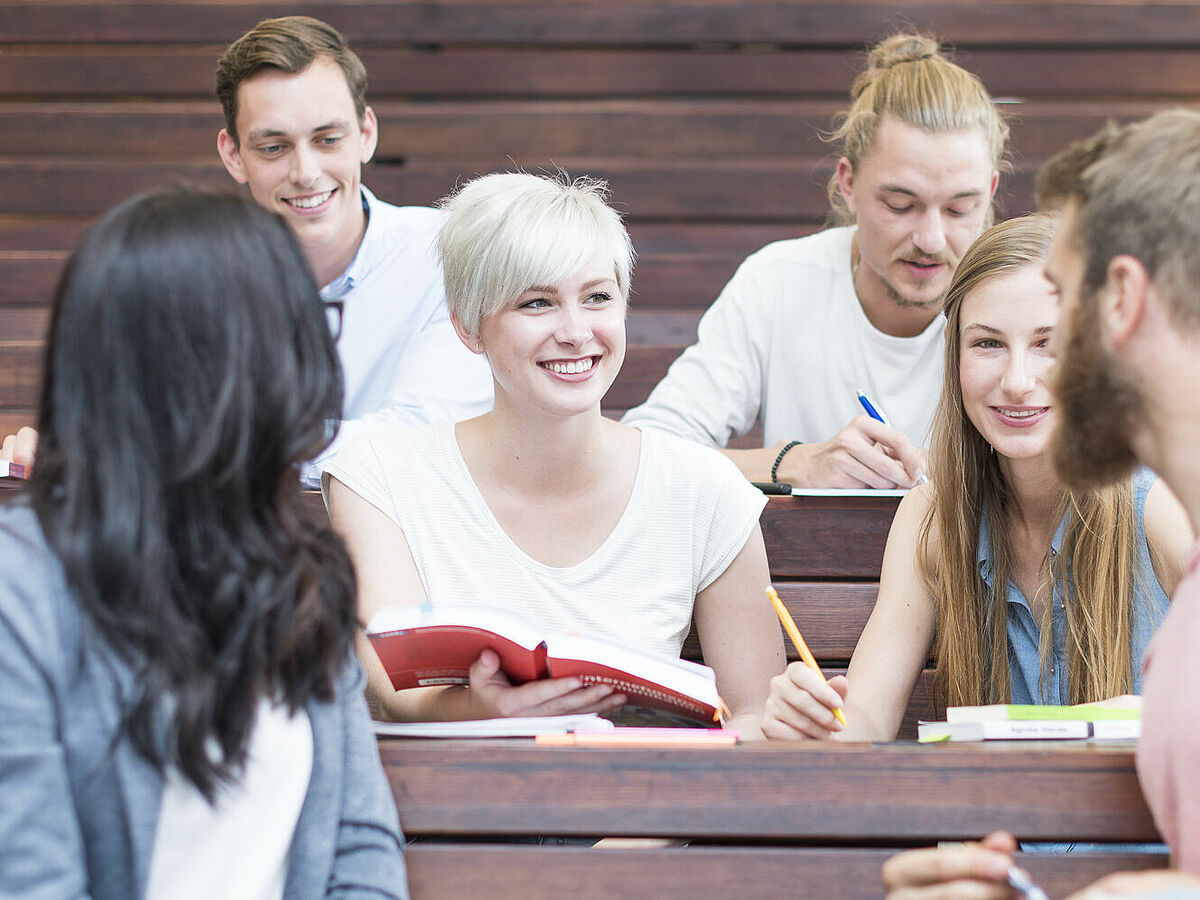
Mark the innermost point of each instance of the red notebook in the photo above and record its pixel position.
(420, 647)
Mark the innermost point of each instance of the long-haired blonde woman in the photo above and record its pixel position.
(1024, 591)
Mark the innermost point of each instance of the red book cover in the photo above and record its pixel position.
(420, 648)
(437, 645)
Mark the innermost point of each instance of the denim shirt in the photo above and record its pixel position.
(1024, 661)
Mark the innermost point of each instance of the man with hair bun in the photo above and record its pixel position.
(805, 323)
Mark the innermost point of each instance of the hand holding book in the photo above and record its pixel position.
(494, 695)
(492, 650)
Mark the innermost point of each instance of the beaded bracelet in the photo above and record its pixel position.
(782, 453)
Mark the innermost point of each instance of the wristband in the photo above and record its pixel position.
(778, 459)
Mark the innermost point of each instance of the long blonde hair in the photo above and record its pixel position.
(908, 78)
(1095, 565)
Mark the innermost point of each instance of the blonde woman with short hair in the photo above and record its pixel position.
(543, 505)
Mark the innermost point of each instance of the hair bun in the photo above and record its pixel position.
(902, 48)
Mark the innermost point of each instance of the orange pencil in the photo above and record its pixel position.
(789, 625)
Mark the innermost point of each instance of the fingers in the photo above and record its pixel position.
(867, 454)
(573, 699)
(1000, 842)
(20, 447)
(497, 696)
(895, 457)
(800, 705)
(967, 871)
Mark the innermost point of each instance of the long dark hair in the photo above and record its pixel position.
(189, 371)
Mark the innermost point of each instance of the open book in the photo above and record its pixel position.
(423, 646)
(1009, 722)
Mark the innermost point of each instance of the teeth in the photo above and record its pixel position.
(310, 202)
(1020, 413)
(573, 367)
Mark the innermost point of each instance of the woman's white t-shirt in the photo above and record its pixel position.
(690, 513)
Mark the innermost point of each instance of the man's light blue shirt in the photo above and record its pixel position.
(401, 357)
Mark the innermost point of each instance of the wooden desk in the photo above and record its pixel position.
(800, 821)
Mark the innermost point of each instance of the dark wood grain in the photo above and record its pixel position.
(164, 71)
(533, 132)
(822, 537)
(830, 615)
(445, 871)
(665, 22)
(20, 373)
(792, 793)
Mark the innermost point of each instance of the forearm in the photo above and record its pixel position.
(424, 704)
(754, 464)
(444, 703)
(792, 469)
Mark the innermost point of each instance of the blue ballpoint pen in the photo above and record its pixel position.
(877, 414)
(871, 409)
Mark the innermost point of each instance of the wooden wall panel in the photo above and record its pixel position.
(705, 115)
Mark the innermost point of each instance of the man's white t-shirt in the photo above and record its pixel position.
(788, 338)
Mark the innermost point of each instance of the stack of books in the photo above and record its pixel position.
(1015, 722)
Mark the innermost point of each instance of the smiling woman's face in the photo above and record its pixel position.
(1005, 330)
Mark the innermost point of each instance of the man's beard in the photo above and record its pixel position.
(908, 302)
(1100, 409)
(905, 302)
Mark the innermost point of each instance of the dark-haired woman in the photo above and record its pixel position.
(181, 713)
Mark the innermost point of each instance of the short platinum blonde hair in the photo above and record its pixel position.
(506, 232)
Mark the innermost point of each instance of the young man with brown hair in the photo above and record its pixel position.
(297, 132)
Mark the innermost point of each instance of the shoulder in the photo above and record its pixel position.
(384, 456)
(824, 249)
(684, 473)
(690, 460)
(1169, 534)
(915, 508)
(419, 220)
(380, 434)
(33, 591)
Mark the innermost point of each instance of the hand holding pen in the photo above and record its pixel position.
(953, 869)
(802, 704)
(874, 411)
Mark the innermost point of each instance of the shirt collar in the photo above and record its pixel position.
(363, 260)
(983, 552)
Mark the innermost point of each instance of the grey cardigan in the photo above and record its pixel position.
(79, 806)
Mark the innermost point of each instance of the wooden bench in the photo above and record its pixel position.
(762, 821)
(705, 115)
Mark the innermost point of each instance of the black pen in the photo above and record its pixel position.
(773, 487)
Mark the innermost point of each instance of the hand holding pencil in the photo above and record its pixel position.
(801, 703)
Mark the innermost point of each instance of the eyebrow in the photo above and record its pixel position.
(897, 189)
(979, 326)
(553, 288)
(260, 133)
